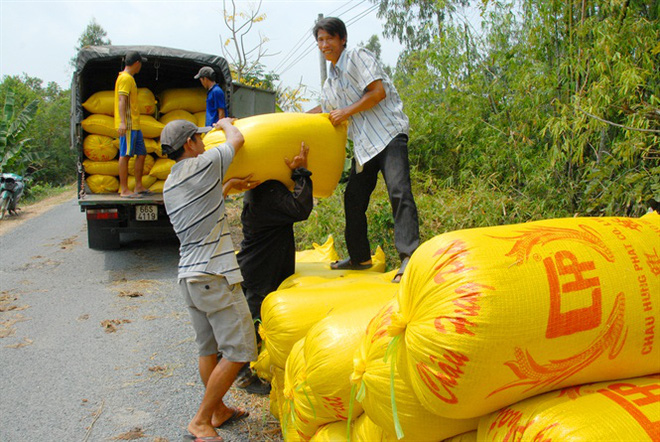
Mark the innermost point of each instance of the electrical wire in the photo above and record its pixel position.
(311, 45)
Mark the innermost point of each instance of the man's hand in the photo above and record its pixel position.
(232, 134)
(240, 184)
(121, 130)
(338, 116)
(299, 160)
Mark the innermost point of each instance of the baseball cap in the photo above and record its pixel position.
(176, 133)
(205, 72)
(132, 57)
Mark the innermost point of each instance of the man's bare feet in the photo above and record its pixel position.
(201, 430)
(228, 415)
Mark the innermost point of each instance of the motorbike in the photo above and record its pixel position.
(11, 190)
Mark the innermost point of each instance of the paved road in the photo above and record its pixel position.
(97, 345)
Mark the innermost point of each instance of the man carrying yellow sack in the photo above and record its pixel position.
(127, 123)
(359, 91)
(208, 274)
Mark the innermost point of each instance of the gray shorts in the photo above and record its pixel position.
(221, 317)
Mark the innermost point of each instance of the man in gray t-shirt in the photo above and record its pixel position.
(209, 276)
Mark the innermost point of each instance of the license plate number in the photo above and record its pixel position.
(146, 213)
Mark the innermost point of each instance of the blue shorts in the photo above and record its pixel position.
(132, 144)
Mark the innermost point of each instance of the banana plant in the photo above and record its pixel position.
(12, 127)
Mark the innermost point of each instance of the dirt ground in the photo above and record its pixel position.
(30, 211)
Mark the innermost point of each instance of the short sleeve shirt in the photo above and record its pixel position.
(126, 86)
(195, 204)
(373, 129)
(215, 99)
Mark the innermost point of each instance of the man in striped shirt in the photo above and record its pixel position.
(359, 91)
(209, 276)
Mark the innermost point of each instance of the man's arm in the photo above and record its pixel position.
(375, 93)
(316, 110)
(221, 113)
(232, 134)
(123, 104)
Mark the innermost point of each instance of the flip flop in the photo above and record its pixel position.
(237, 415)
(347, 264)
(191, 437)
(402, 268)
(146, 192)
(131, 196)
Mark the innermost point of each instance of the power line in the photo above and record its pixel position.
(312, 44)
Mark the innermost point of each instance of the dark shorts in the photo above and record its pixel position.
(132, 144)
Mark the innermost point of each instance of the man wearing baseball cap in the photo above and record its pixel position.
(216, 105)
(127, 123)
(208, 274)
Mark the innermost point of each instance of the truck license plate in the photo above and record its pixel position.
(146, 213)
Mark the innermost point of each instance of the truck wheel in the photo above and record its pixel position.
(100, 238)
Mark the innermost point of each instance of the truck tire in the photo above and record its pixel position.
(100, 237)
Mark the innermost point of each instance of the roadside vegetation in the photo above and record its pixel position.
(528, 110)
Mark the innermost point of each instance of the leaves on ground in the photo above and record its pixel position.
(135, 433)
(110, 325)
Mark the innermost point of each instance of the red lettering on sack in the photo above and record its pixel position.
(467, 305)
(336, 406)
(449, 371)
(452, 263)
(566, 277)
(633, 398)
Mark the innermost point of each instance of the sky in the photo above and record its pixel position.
(39, 37)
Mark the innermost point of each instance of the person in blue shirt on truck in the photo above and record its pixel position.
(216, 105)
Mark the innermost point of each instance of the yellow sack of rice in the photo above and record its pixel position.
(99, 148)
(312, 273)
(319, 253)
(151, 145)
(200, 117)
(298, 415)
(188, 99)
(178, 114)
(276, 392)
(147, 182)
(102, 183)
(149, 162)
(490, 316)
(151, 128)
(328, 360)
(157, 186)
(470, 436)
(161, 168)
(100, 124)
(624, 410)
(102, 102)
(110, 168)
(146, 101)
(401, 413)
(262, 366)
(287, 315)
(362, 430)
(270, 138)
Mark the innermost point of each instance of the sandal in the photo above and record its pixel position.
(402, 268)
(347, 264)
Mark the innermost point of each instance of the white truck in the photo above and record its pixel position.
(97, 68)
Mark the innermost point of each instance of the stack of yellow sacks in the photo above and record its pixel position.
(536, 331)
(101, 145)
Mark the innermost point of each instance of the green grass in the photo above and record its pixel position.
(39, 192)
(441, 209)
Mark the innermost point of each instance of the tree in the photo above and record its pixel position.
(246, 61)
(93, 35)
(12, 139)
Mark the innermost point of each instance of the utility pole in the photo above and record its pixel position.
(324, 72)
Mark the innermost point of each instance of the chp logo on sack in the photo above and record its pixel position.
(494, 315)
